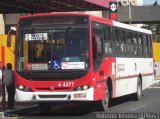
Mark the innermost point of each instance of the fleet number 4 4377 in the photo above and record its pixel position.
(65, 84)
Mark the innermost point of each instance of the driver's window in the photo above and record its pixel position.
(97, 44)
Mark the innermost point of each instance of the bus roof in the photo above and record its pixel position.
(115, 23)
(55, 14)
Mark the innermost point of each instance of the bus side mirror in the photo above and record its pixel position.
(9, 38)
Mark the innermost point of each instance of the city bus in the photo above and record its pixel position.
(73, 57)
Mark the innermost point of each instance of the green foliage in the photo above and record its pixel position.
(155, 28)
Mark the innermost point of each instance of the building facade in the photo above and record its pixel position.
(2, 24)
(133, 2)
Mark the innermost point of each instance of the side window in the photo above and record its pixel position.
(149, 46)
(114, 34)
(97, 44)
(135, 44)
(107, 41)
(123, 46)
(115, 42)
(129, 43)
(140, 44)
(145, 50)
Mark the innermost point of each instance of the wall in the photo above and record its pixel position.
(156, 55)
(95, 13)
(1, 24)
(11, 18)
(158, 70)
(7, 54)
(139, 14)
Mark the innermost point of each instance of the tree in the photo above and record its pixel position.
(155, 28)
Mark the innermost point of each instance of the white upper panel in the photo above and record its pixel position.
(126, 26)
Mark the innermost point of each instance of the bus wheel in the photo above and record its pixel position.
(102, 105)
(138, 94)
(45, 107)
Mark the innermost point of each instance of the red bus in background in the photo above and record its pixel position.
(79, 57)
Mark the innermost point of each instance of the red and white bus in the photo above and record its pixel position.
(78, 57)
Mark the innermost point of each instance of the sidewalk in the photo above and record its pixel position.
(18, 105)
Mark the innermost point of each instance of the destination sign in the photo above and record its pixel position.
(36, 36)
(53, 20)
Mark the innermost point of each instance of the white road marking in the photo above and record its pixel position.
(138, 107)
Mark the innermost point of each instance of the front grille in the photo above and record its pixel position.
(52, 96)
(49, 89)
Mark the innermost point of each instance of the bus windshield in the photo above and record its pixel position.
(56, 49)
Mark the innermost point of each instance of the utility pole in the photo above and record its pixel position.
(130, 17)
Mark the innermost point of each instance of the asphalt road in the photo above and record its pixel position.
(122, 108)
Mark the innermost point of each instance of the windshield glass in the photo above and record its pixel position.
(56, 49)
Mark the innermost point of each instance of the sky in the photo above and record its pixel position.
(150, 1)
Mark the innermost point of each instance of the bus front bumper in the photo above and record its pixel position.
(85, 95)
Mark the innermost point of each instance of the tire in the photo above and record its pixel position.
(102, 105)
(45, 107)
(138, 94)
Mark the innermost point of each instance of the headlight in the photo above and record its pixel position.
(24, 88)
(85, 87)
(20, 87)
(81, 88)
